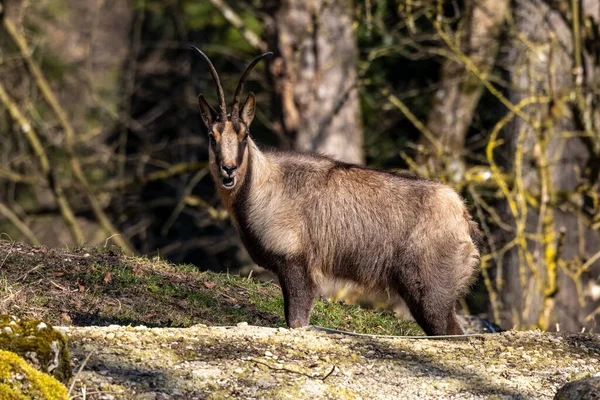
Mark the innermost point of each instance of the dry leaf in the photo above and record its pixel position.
(58, 273)
(137, 270)
(107, 277)
(210, 285)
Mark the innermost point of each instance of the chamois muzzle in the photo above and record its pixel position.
(228, 182)
(228, 176)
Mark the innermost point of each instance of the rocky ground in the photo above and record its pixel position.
(168, 341)
(249, 362)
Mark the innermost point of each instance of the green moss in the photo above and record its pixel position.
(19, 380)
(38, 343)
(357, 319)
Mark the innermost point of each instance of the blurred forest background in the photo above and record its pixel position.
(100, 138)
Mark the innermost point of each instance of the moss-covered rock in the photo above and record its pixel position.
(581, 389)
(20, 381)
(38, 343)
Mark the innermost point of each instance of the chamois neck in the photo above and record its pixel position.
(258, 164)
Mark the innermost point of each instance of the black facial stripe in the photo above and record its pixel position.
(217, 151)
(242, 130)
(240, 156)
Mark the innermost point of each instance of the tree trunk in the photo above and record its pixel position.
(547, 292)
(314, 77)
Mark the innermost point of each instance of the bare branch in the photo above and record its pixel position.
(235, 20)
(61, 115)
(27, 130)
(20, 225)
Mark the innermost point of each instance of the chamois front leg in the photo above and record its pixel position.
(299, 292)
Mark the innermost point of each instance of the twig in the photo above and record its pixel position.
(174, 170)
(294, 371)
(59, 286)
(229, 297)
(590, 261)
(18, 178)
(329, 373)
(439, 337)
(28, 272)
(415, 121)
(181, 203)
(578, 68)
(235, 20)
(108, 238)
(20, 225)
(79, 372)
(8, 253)
(11, 295)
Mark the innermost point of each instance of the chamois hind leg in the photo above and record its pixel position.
(453, 327)
(431, 304)
(299, 292)
(434, 320)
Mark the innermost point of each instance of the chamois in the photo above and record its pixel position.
(307, 217)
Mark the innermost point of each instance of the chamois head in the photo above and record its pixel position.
(228, 136)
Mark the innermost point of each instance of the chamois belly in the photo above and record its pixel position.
(363, 253)
(353, 237)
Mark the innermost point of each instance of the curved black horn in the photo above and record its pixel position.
(235, 108)
(213, 71)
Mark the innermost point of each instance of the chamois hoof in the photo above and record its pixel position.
(297, 324)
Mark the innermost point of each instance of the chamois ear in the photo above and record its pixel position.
(207, 112)
(247, 112)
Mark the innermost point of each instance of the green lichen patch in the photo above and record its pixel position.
(38, 343)
(20, 381)
(103, 287)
